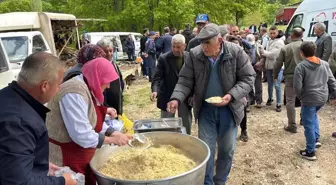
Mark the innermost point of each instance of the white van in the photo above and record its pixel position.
(6, 74)
(121, 37)
(312, 11)
(19, 45)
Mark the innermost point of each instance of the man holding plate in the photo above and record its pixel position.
(216, 68)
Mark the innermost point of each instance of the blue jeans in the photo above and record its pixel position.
(311, 125)
(270, 82)
(216, 124)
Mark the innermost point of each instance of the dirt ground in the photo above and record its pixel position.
(270, 157)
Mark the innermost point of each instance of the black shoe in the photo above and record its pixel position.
(244, 136)
(306, 155)
(278, 108)
(291, 129)
(318, 143)
(252, 102)
(269, 102)
(248, 109)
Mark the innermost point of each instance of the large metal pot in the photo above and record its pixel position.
(194, 147)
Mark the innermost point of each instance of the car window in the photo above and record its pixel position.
(311, 32)
(38, 44)
(137, 38)
(296, 21)
(16, 48)
(3, 62)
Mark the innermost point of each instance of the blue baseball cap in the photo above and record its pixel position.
(202, 18)
(152, 33)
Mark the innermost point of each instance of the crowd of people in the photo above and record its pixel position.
(233, 64)
(184, 69)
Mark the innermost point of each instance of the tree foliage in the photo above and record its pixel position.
(134, 15)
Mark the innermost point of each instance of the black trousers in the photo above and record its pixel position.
(243, 124)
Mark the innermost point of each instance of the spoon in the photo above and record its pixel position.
(142, 141)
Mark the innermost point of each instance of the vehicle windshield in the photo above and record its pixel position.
(16, 48)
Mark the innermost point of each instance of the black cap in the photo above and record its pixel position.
(207, 32)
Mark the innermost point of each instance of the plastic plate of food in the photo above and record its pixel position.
(215, 99)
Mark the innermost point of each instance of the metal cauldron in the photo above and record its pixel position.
(194, 147)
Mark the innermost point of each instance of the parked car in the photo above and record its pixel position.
(6, 73)
(121, 38)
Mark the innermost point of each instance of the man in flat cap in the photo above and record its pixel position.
(289, 57)
(220, 69)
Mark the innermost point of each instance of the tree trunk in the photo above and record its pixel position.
(37, 6)
(237, 18)
(151, 14)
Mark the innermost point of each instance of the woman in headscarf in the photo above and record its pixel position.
(85, 54)
(114, 94)
(76, 120)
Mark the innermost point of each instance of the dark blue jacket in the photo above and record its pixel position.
(166, 43)
(130, 46)
(24, 147)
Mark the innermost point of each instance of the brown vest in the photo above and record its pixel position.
(55, 124)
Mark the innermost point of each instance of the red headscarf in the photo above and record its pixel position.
(98, 72)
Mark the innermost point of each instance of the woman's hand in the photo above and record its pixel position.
(119, 139)
(112, 112)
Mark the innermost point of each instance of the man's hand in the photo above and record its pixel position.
(261, 50)
(154, 96)
(172, 106)
(53, 168)
(112, 112)
(68, 179)
(226, 100)
(275, 81)
(120, 139)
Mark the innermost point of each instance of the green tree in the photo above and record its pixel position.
(15, 6)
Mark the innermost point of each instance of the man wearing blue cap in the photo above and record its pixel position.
(201, 21)
(215, 69)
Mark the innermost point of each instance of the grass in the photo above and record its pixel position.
(137, 103)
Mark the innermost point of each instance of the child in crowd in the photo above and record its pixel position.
(313, 80)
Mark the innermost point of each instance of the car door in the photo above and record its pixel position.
(137, 38)
(6, 74)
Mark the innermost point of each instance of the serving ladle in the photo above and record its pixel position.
(139, 141)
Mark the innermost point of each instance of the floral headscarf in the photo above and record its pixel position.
(89, 52)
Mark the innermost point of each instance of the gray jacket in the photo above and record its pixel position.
(332, 61)
(313, 82)
(272, 51)
(324, 46)
(236, 73)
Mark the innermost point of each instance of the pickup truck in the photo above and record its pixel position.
(24, 33)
